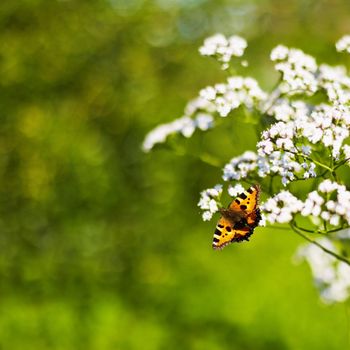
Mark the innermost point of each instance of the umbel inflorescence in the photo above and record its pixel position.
(302, 157)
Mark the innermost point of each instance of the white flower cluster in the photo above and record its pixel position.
(185, 125)
(285, 110)
(238, 91)
(198, 105)
(284, 164)
(221, 99)
(277, 162)
(285, 143)
(281, 146)
(343, 44)
(200, 108)
(223, 48)
(331, 276)
(234, 191)
(332, 210)
(209, 201)
(335, 82)
(298, 70)
(328, 125)
(312, 205)
(240, 167)
(281, 207)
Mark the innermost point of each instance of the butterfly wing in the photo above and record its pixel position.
(228, 232)
(239, 220)
(247, 201)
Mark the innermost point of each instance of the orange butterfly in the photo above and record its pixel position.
(238, 221)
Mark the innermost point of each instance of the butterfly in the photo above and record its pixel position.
(238, 221)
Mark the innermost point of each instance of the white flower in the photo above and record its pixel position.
(277, 148)
(312, 205)
(236, 190)
(298, 70)
(185, 126)
(281, 207)
(207, 215)
(237, 45)
(327, 186)
(325, 215)
(335, 82)
(331, 123)
(279, 53)
(343, 44)
(209, 93)
(330, 205)
(240, 167)
(215, 191)
(285, 110)
(223, 106)
(197, 115)
(204, 121)
(213, 207)
(212, 44)
(316, 198)
(334, 220)
(262, 221)
(198, 104)
(310, 170)
(265, 147)
(222, 48)
(209, 201)
(332, 210)
(306, 150)
(236, 92)
(325, 125)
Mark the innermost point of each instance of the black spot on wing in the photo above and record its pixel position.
(221, 226)
(228, 228)
(243, 207)
(237, 201)
(250, 190)
(217, 232)
(242, 195)
(216, 240)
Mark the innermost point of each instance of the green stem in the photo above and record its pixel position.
(312, 160)
(294, 224)
(319, 164)
(326, 231)
(341, 163)
(326, 250)
(338, 229)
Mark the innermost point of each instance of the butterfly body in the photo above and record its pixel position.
(232, 215)
(238, 221)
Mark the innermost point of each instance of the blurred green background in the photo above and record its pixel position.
(102, 246)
